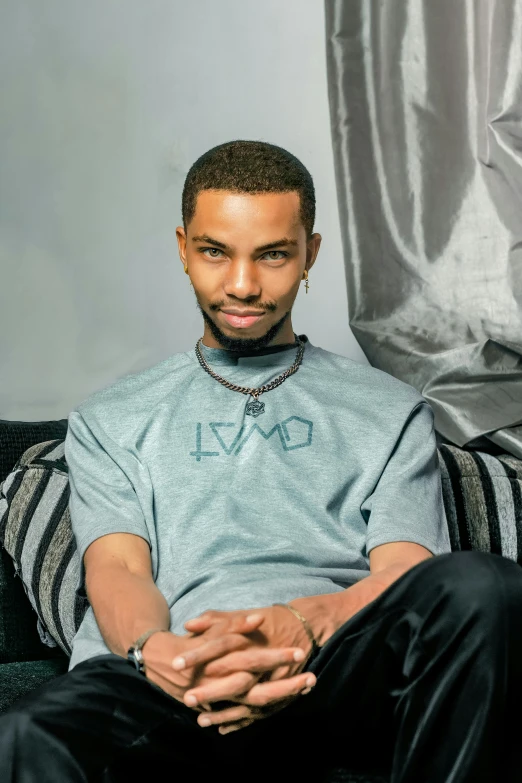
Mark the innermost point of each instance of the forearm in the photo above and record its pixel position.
(125, 605)
(326, 613)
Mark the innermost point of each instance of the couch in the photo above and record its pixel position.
(474, 489)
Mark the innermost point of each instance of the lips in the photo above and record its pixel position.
(241, 321)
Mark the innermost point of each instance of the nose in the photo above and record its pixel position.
(242, 281)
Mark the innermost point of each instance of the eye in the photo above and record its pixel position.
(273, 253)
(211, 250)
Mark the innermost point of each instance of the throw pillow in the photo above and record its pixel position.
(35, 529)
(483, 500)
(19, 638)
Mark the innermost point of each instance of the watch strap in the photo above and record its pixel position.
(134, 653)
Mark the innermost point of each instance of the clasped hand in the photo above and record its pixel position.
(251, 660)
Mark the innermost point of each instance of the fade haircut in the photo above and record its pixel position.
(250, 167)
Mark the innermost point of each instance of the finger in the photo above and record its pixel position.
(240, 711)
(273, 690)
(223, 688)
(279, 673)
(207, 651)
(236, 726)
(255, 659)
(206, 619)
(239, 623)
(180, 680)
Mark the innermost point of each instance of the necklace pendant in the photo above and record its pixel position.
(255, 408)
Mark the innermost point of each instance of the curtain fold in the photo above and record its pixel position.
(426, 108)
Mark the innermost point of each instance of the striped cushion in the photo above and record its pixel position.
(483, 501)
(35, 529)
(482, 497)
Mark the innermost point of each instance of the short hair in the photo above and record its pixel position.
(249, 167)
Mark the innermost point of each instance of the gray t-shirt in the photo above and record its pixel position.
(242, 511)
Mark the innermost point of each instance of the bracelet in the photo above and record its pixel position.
(309, 632)
(140, 643)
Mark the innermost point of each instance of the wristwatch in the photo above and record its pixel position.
(134, 653)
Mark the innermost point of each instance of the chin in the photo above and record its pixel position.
(243, 339)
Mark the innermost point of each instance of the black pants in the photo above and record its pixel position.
(425, 682)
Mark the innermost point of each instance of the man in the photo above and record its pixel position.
(264, 545)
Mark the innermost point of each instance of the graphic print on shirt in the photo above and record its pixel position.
(294, 433)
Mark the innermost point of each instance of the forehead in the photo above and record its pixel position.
(226, 211)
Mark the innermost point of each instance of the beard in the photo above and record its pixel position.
(243, 344)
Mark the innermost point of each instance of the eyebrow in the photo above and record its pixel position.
(269, 246)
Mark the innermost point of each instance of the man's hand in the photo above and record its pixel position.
(283, 679)
(210, 666)
(278, 628)
(225, 637)
(325, 613)
(163, 647)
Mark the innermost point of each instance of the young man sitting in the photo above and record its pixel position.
(264, 545)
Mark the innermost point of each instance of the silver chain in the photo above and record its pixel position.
(245, 389)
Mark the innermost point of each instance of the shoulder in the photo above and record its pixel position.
(121, 405)
(376, 387)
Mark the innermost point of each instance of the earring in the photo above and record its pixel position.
(186, 272)
(305, 278)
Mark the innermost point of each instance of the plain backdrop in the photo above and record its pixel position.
(104, 107)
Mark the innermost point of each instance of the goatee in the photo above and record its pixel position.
(243, 344)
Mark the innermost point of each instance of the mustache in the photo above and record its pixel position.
(268, 306)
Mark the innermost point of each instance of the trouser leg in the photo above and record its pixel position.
(429, 675)
(103, 722)
(427, 678)
(80, 725)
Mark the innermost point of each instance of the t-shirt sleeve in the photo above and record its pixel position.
(102, 499)
(407, 502)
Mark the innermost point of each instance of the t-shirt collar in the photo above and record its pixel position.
(272, 355)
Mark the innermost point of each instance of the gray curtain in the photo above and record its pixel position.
(425, 102)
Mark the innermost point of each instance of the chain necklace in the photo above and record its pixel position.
(254, 407)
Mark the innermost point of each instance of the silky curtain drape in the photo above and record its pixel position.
(426, 109)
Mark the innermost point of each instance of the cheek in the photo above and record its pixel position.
(291, 292)
(282, 286)
(204, 287)
(207, 278)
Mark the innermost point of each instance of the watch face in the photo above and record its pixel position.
(135, 657)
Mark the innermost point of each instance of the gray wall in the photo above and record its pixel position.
(104, 106)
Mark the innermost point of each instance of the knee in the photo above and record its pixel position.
(477, 583)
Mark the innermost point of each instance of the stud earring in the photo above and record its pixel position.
(186, 272)
(305, 278)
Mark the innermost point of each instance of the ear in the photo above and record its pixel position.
(182, 244)
(312, 249)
